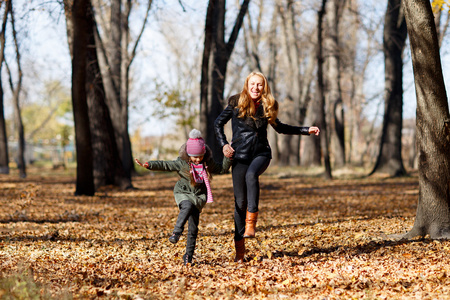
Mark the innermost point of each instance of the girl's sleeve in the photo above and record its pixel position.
(216, 168)
(226, 164)
(162, 165)
(289, 129)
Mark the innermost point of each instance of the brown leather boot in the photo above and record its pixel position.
(240, 250)
(250, 224)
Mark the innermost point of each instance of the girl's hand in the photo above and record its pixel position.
(314, 130)
(145, 165)
(228, 151)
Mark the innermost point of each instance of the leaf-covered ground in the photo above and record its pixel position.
(316, 239)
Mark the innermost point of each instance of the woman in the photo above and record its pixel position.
(251, 112)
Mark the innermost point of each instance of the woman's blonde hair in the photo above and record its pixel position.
(247, 107)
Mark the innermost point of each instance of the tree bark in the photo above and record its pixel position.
(85, 179)
(389, 159)
(114, 61)
(21, 165)
(108, 167)
(109, 49)
(321, 94)
(312, 154)
(333, 76)
(432, 124)
(204, 81)
(4, 157)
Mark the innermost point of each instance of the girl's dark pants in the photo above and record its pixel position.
(245, 176)
(188, 211)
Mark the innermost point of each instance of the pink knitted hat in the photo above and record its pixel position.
(195, 145)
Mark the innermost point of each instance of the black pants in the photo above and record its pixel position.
(246, 190)
(188, 211)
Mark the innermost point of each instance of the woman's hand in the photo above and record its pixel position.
(314, 130)
(228, 151)
(145, 165)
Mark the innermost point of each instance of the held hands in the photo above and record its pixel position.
(228, 151)
(314, 130)
(145, 165)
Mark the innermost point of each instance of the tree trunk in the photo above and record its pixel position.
(390, 154)
(114, 61)
(16, 93)
(4, 158)
(85, 180)
(333, 75)
(216, 55)
(204, 81)
(321, 88)
(311, 156)
(109, 49)
(108, 168)
(432, 124)
(271, 79)
(21, 165)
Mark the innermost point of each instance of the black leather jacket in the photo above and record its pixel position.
(250, 135)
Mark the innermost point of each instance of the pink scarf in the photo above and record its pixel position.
(200, 175)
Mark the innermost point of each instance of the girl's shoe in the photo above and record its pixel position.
(174, 238)
(187, 259)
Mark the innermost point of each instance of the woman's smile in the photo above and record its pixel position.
(255, 86)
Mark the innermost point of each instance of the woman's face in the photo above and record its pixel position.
(255, 87)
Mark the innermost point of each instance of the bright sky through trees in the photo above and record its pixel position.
(46, 57)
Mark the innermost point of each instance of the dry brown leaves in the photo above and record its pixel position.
(316, 239)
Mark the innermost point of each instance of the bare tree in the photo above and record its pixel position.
(312, 153)
(4, 157)
(321, 94)
(113, 42)
(389, 159)
(80, 20)
(216, 55)
(355, 63)
(16, 93)
(107, 165)
(432, 124)
(332, 49)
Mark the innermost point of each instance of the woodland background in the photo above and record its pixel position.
(360, 212)
(163, 97)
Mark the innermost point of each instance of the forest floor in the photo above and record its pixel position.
(316, 239)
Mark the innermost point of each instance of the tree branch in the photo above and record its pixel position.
(133, 52)
(237, 27)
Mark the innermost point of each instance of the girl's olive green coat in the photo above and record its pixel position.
(183, 189)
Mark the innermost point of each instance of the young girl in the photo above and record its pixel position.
(192, 191)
